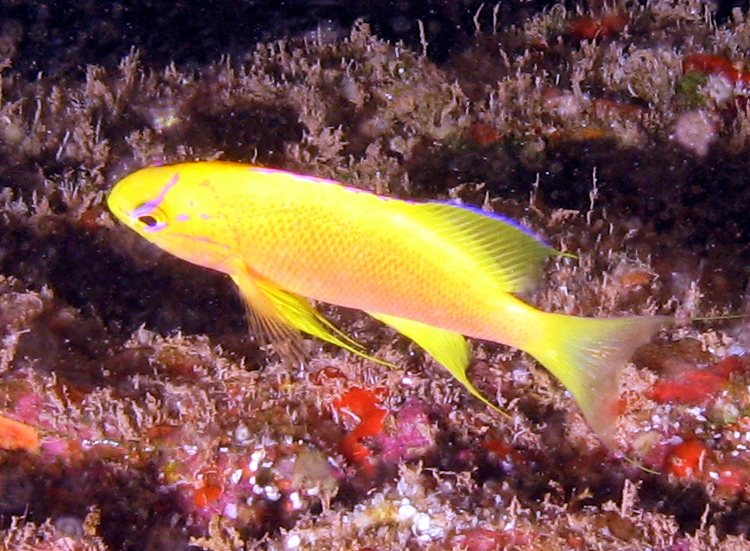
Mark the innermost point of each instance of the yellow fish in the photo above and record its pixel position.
(433, 271)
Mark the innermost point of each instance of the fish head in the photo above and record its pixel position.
(177, 208)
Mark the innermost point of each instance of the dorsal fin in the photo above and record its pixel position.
(496, 245)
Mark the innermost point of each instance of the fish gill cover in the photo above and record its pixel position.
(137, 413)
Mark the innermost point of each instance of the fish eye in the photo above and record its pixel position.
(148, 220)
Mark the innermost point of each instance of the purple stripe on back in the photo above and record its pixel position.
(497, 216)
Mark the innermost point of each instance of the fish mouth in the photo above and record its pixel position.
(115, 206)
(112, 204)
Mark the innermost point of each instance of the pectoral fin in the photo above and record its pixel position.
(448, 348)
(278, 315)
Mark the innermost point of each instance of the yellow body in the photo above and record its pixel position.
(433, 271)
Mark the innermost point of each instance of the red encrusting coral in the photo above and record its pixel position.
(590, 28)
(710, 64)
(687, 460)
(484, 134)
(364, 409)
(698, 386)
(485, 539)
(15, 435)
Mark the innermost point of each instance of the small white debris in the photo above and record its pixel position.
(230, 510)
(190, 450)
(719, 88)
(696, 130)
(293, 541)
(406, 511)
(241, 434)
(255, 460)
(421, 523)
(272, 493)
(295, 500)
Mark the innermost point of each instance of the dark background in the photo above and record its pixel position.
(60, 37)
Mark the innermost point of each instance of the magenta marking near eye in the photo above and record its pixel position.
(155, 227)
(149, 206)
(183, 217)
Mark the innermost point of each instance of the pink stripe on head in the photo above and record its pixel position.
(149, 206)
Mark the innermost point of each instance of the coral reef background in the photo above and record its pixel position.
(136, 413)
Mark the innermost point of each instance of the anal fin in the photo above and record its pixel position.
(448, 348)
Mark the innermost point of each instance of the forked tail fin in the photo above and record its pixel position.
(587, 355)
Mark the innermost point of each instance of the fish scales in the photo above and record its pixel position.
(370, 261)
